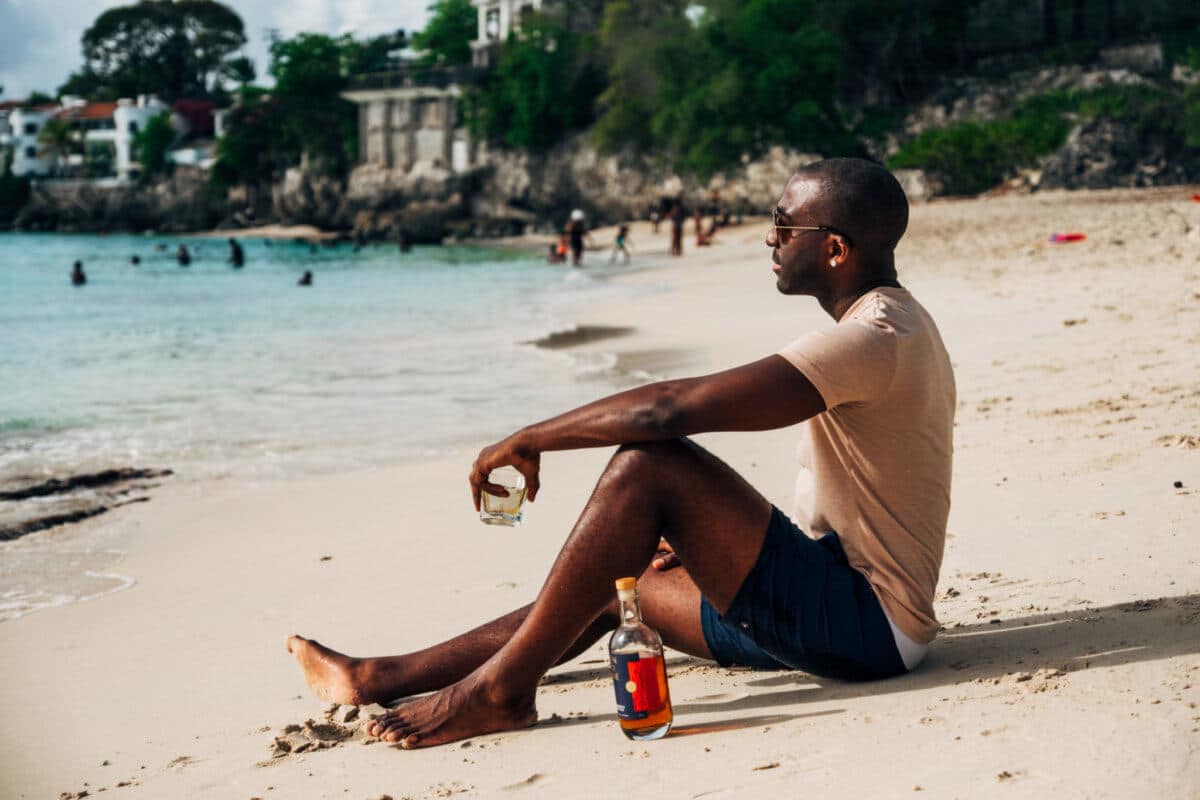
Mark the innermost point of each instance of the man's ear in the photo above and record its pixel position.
(838, 248)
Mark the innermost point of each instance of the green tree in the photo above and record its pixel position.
(173, 48)
(39, 99)
(240, 70)
(14, 191)
(98, 159)
(447, 36)
(58, 140)
(544, 85)
(370, 55)
(255, 147)
(153, 142)
(639, 41)
(309, 72)
(727, 93)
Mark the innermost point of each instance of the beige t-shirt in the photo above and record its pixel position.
(875, 465)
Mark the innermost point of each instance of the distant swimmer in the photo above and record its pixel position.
(237, 256)
(305, 279)
(135, 260)
(183, 256)
(78, 278)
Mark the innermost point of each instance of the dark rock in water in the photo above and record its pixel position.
(60, 501)
(33, 524)
(90, 480)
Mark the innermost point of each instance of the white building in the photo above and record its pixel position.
(497, 19)
(29, 157)
(129, 119)
(106, 125)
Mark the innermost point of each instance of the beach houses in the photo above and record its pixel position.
(97, 140)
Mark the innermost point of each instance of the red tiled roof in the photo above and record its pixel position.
(88, 111)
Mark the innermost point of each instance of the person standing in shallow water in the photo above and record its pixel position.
(237, 257)
(78, 277)
(306, 279)
(724, 574)
(183, 256)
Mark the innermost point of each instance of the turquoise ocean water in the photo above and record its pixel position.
(241, 374)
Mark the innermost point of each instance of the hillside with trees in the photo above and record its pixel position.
(697, 89)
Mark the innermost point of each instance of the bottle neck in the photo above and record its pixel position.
(631, 614)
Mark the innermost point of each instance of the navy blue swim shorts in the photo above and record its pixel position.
(804, 607)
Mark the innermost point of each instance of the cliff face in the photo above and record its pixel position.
(1098, 153)
(181, 203)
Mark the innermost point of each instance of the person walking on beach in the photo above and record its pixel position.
(844, 591)
(677, 218)
(576, 231)
(78, 277)
(620, 245)
(237, 257)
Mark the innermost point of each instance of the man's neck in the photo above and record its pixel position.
(839, 301)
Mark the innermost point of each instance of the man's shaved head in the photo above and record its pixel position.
(860, 198)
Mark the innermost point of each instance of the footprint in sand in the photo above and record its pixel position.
(533, 780)
(341, 724)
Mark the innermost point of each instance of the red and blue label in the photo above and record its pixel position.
(637, 684)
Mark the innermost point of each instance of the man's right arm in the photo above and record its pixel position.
(762, 395)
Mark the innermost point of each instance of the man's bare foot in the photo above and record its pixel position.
(329, 673)
(459, 711)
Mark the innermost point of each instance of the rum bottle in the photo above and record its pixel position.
(639, 671)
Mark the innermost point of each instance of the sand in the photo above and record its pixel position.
(1069, 662)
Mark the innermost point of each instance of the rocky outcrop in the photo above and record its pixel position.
(1099, 153)
(73, 498)
(309, 198)
(615, 187)
(183, 202)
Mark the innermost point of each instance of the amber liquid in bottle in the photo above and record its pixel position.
(639, 672)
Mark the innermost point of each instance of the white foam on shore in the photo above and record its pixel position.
(17, 603)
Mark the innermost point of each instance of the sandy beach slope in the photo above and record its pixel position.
(1069, 663)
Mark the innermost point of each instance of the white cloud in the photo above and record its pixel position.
(39, 41)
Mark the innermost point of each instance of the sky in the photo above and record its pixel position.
(39, 39)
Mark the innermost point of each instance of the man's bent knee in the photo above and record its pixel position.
(640, 454)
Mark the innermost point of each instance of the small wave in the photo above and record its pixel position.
(17, 604)
(29, 425)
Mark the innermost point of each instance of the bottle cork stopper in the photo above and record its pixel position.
(626, 584)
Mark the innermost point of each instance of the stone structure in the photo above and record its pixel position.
(408, 120)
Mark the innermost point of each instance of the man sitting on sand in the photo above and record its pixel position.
(848, 594)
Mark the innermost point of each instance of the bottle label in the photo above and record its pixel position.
(637, 681)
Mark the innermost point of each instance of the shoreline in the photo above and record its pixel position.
(81, 515)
